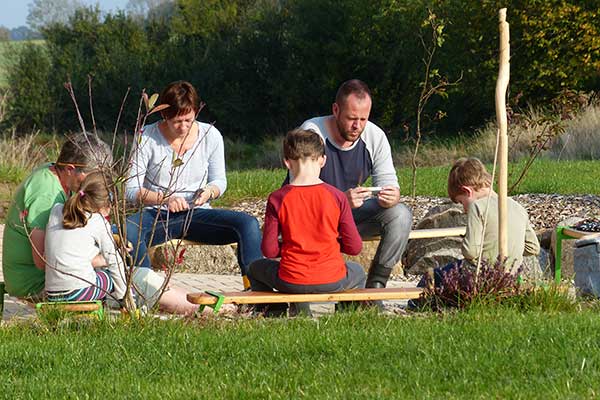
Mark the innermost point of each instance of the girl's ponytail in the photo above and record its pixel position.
(75, 213)
(93, 195)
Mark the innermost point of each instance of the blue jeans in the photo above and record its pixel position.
(264, 276)
(438, 274)
(393, 225)
(209, 226)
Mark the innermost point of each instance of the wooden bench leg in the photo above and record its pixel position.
(217, 306)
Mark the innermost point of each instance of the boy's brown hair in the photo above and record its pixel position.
(182, 98)
(301, 143)
(467, 172)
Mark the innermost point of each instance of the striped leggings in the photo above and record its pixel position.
(99, 291)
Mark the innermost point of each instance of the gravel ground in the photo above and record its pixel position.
(545, 210)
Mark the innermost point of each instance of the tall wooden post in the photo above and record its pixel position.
(501, 87)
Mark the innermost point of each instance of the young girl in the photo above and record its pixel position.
(77, 232)
(79, 239)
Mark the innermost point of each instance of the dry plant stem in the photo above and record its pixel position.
(427, 91)
(487, 211)
(69, 88)
(91, 105)
(534, 153)
(119, 121)
(174, 176)
(501, 87)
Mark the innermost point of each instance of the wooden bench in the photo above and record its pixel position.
(93, 307)
(414, 234)
(216, 299)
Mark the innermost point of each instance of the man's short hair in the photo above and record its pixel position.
(467, 172)
(86, 152)
(302, 144)
(182, 98)
(353, 86)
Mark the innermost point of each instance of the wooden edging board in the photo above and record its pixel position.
(272, 297)
(414, 234)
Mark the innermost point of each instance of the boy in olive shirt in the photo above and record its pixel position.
(470, 184)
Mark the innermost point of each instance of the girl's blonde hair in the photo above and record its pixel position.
(93, 194)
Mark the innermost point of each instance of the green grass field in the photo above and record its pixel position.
(497, 353)
(545, 176)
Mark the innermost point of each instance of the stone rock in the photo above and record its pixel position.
(422, 254)
(368, 253)
(567, 270)
(198, 258)
(531, 269)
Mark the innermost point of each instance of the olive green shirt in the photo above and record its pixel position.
(522, 239)
(30, 209)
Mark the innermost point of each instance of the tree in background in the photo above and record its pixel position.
(4, 34)
(43, 13)
(263, 66)
(150, 9)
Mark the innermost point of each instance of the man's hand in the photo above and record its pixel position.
(177, 204)
(389, 196)
(357, 196)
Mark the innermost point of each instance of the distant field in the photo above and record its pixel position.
(6, 48)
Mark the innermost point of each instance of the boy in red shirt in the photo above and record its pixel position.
(315, 223)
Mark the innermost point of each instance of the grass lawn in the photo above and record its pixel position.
(478, 354)
(545, 176)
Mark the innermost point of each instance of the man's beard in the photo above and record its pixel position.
(348, 137)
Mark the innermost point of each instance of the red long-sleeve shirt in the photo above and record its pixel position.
(316, 225)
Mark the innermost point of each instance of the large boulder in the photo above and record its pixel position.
(368, 253)
(423, 254)
(198, 258)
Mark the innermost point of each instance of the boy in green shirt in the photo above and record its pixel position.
(470, 184)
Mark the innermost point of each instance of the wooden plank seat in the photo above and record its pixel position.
(414, 234)
(216, 299)
(93, 307)
(437, 232)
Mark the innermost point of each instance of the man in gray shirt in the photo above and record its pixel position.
(356, 149)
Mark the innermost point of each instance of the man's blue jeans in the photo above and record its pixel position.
(209, 226)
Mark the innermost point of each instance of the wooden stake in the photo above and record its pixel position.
(501, 87)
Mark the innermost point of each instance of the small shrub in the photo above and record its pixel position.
(462, 288)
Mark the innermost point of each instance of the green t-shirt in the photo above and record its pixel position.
(29, 209)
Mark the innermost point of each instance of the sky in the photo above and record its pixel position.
(13, 13)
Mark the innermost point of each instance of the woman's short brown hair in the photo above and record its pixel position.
(181, 97)
(301, 144)
(467, 172)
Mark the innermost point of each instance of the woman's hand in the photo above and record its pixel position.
(204, 196)
(177, 204)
